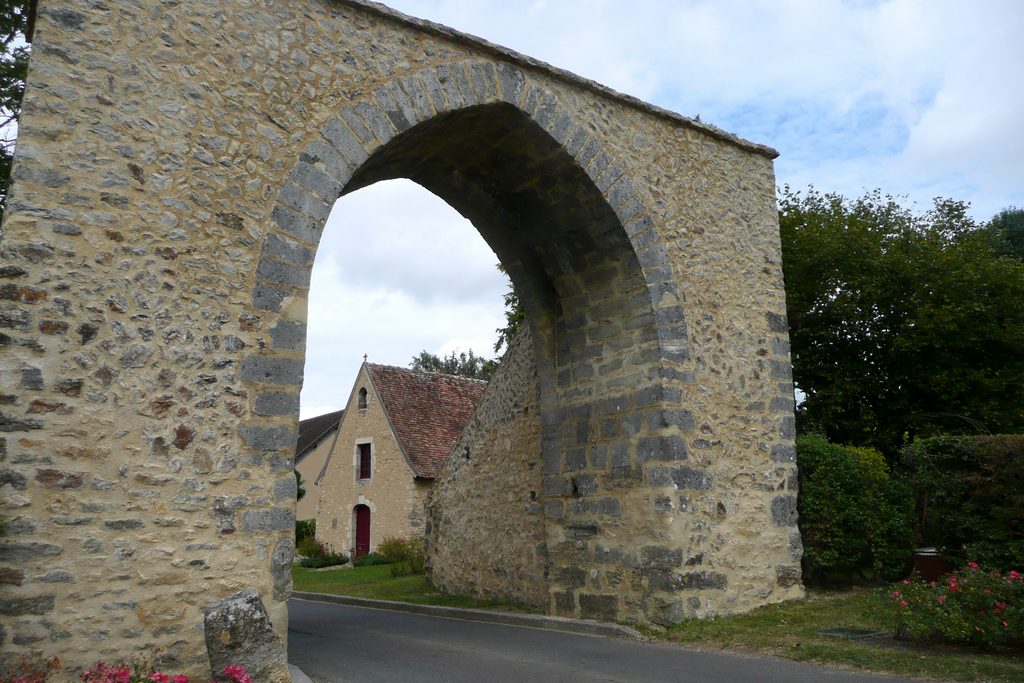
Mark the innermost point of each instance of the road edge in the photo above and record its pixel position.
(579, 626)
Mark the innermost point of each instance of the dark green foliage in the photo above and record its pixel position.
(15, 17)
(970, 497)
(902, 325)
(319, 554)
(369, 559)
(328, 559)
(853, 517)
(304, 528)
(309, 547)
(515, 316)
(465, 365)
(300, 490)
(1007, 230)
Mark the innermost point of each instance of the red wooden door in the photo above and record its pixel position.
(362, 530)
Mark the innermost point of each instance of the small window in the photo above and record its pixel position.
(362, 397)
(364, 460)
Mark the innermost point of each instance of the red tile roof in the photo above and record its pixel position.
(428, 411)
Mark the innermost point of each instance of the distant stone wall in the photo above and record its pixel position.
(485, 524)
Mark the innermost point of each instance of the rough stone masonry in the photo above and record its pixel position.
(175, 166)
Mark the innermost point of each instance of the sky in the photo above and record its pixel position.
(921, 98)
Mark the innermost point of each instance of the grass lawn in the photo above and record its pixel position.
(376, 582)
(793, 630)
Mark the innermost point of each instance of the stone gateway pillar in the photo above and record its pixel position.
(175, 166)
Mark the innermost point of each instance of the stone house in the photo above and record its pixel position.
(315, 441)
(397, 430)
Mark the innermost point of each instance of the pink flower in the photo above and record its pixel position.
(906, 582)
(942, 599)
(237, 673)
(1005, 625)
(1014, 574)
(903, 603)
(895, 594)
(973, 565)
(180, 678)
(158, 677)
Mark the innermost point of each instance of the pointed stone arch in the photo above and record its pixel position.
(592, 277)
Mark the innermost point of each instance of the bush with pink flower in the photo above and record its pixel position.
(36, 669)
(142, 673)
(972, 605)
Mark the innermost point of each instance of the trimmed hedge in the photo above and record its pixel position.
(853, 515)
(970, 497)
(369, 559)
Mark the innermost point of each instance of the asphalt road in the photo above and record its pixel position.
(337, 643)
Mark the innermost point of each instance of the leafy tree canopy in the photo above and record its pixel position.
(1007, 229)
(901, 324)
(15, 19)
(463, 364)
(515, 316)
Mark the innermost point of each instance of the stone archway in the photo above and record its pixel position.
(170, 189)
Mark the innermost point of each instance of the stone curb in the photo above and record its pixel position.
(580, 626)
(298, 675)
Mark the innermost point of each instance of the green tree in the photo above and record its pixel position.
(515, 316)
(1007, 229)
(300, 489)
(901, 324)
(15, 33)
(463, 364)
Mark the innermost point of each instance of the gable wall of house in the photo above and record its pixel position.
(486, 534)
(394, 499)
(309, 467)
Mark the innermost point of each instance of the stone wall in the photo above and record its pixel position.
(485, 528)
(309, 467)
(395, 499)
(175, 165)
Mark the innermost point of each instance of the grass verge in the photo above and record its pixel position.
(376, 582)
(793, 630)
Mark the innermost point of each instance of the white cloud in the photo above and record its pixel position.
(397, 271)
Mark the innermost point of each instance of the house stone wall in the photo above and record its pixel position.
(309, 467)
(175, 165)
(485, 528)
(395, 499)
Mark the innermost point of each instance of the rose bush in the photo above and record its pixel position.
(972, 605)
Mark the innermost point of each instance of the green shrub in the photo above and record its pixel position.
(304, 528)
(404, 554)
(970, 497)
(853, 516)
(310, 547)
(325, 557)
(972, 605)
(369, 559)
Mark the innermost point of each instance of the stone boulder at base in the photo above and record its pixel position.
(238, 631)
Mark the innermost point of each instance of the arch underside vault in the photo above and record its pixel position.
(150, 419)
